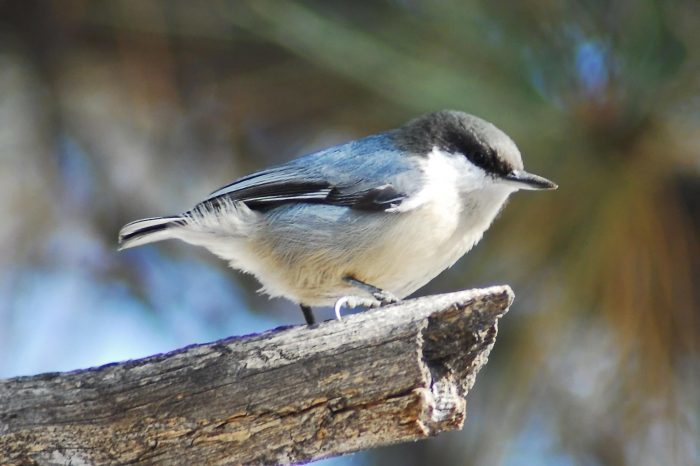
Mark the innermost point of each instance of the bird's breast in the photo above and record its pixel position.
(423, 242)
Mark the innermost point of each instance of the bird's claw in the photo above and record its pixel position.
(381, 298)
(352, 302)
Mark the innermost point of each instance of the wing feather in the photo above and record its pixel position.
(365, 175)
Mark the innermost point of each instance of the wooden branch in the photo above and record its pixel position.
(289, 395)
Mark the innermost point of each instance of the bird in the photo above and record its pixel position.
(364, 223)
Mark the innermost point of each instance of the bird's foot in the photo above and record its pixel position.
(352, 302)
(384, 297)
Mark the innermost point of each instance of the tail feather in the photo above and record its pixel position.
(147, 231)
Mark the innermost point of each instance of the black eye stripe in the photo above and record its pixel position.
(477, 153)
(457, 133)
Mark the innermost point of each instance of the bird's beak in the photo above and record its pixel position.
(525, 180)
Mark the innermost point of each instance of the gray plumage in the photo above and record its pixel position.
(391, 210)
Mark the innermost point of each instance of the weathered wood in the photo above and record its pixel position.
(285, 396)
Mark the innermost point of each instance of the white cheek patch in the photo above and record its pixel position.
(446, 177)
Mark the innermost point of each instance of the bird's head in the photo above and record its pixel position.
(491, 156)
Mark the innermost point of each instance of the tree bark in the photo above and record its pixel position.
(288, 395)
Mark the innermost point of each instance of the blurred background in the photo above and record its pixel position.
(114, 111)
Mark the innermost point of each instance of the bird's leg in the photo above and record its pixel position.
(308, 314)
(384, 297)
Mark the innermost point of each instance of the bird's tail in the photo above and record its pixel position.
(148, 230)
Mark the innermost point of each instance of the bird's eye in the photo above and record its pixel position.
(488, 160)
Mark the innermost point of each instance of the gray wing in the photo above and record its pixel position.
(367, 174)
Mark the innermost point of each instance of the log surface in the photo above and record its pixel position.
(288, 395)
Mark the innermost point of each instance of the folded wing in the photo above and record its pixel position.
(365, 175)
